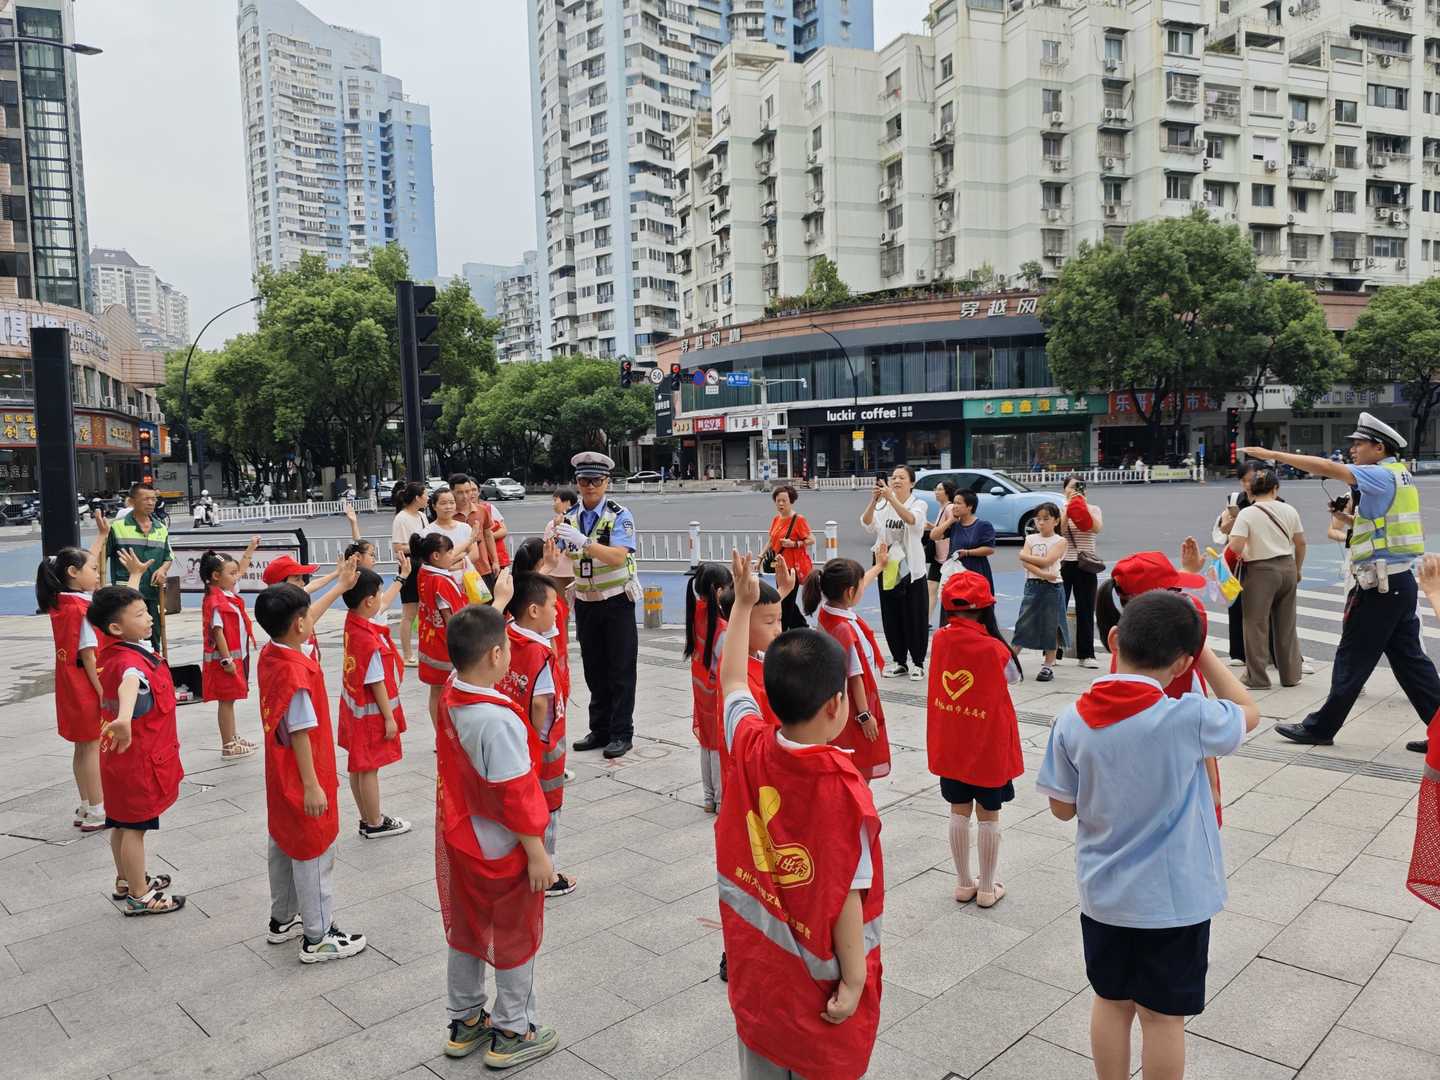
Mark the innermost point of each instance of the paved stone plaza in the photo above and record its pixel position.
(1322, 966)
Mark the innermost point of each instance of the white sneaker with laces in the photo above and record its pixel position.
(1236, 663)
(1307, 666)
(893, 671)
(1089, 662)
(335, 945)
(916, 674)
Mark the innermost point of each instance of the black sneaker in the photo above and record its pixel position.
(724, 969)
(616, 748)
(563, 886)
(1045, 675)
(388, 826)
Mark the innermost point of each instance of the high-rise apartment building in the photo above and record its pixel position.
(161, 311)
(517, 307)
(1016, 129)
(612, 83)
(339, 158)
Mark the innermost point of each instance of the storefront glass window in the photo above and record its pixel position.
(891, 369)
(1023, 451)
(939, 368)
(14, 379)
(923, 447)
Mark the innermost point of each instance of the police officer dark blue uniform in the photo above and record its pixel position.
(1380, 618)
(598, 535)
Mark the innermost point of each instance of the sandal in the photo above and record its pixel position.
(965, 893)
(153, 903)
(989, 900)
(236, 748)
(245, 742)
(122, 887)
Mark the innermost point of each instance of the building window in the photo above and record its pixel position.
(1051, 101)
(1265, 241)
(947, 67)
(1344, 202)
(1052, 146)
(1387, 247)
(1262, 194)
(1177, 185)
(1052, 196)
(1180, 42)
(947, 113)
(1299, 153)
(1182, 87)
(1387, 97)
(1264, 148)
(1347, 157)
(892, 84)
(1303, 247)
(1052, 242)
(1214, 193)
(1299, 108)
(1300, 200)
(894, 126)
(1215, 147)
(1114, 191)
(815, 139)
(1265, 100)
(895, 216)
(1114, 48)
(1179, 136)
(892, 260)
(1049, 51)
(1346, 112)
(1344, 246)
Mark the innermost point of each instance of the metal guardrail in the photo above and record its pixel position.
(1150, 474)
(276, 511)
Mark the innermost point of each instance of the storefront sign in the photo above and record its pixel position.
(713, 339)
(664, 414)
(850, 415)
(1168, 472)
(756, 421)
(1342, 395)
(683, 425)
(1123, 403)
(84, 431)
(119, 435)
(15, 326)
(1005, 305)
(705, 425)
(1030, 408)
(17, 428)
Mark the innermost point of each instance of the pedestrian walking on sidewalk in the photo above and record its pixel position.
(1380, 617)
(1080, 523)
(1269, 538)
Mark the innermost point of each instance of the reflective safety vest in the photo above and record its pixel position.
(600, 577)
(153, 546)
(1398, 531)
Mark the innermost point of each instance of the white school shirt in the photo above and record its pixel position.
(218, 619)
(88, 640)
(498, 746)
(375, 673)
(300, 716)
(853, 656)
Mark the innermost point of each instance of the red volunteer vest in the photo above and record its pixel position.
(486, 904)
(77, 706)
(972, 734)
(784, 873)
(361, 729)
(756, 676)
(562, 637)
(705, 684)
(281, 672)
(144, 781)
(217, 683)
(872, 759)
(528, 659)
(434, 653)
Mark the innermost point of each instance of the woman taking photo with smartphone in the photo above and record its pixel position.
(897, 517)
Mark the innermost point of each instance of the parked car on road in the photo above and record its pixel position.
(1005, 503)
(644, 476)
(20, 513)
(502, 487)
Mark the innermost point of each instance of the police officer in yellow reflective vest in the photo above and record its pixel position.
(1380, 619)
(598, 535)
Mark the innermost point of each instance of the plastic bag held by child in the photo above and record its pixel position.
(1221, 584)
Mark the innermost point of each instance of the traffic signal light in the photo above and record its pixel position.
(417, 381)
(147, 457)
(626, 373)
(675, 377)
(1232, 432)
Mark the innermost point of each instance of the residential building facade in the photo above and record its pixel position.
(161, 311)
(1016, 129)
(517, 306)
(338, 158)
(611, 84)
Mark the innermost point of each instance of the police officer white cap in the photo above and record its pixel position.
(1372, 430)
(591, 463)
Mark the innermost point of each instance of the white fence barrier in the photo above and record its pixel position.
(1150, 474)
(275, 511)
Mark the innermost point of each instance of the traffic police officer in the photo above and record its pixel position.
(598, 535)
(1380, 618)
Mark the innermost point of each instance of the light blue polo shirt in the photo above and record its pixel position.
(1147, 846)
(1377, 492)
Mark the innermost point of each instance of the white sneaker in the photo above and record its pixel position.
(916, 674)
(893, 671)
(1089, 662)
(281, 932)
(1236, 663)
(1307, 666)
(335, 945)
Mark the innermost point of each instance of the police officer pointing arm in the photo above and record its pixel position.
(1386, 539)
(598, 535)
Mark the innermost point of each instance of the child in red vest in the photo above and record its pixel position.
(541, 687)
(766, 623)
(287, 570)
(841, 583)
(229, 639)
(491, 867)
(972, 734)
(1423, 878)
(798, 852)
(300, 779)
(371, 717)
(536, 556)
(63, 584)
(140, 770)
(704, 633)
(440, 598)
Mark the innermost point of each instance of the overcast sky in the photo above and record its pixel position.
(164, 153)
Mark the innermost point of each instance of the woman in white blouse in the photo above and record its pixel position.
(897, 517)
(1269, 536)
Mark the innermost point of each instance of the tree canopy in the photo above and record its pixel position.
(1397, 339)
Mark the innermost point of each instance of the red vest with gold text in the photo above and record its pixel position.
(283, 671)
(528, 660)
(972, 734)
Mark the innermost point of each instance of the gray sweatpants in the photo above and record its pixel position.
(755, 1067)
(514, 992)
(710, 781)
(302, 885)
(552, 829)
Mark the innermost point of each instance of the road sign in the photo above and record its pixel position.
(699, 377)
(656, 376)
(857, 439)
(738, 378)
(712, 377)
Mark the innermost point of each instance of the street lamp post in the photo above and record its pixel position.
(185, 395)
(854, 375)
(74, 46)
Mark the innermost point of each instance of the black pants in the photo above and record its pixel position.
(609, 649)
(1379, 624)
(1237, 628)
(904, 614)
(791, 617)
(1084, 587)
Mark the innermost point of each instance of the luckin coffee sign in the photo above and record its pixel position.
(873, 412)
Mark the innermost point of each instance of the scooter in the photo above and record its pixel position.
(203, 512)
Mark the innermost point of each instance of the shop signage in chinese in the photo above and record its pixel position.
(1123, 403)
(903, 412)
(709, 424)
(1005, 305)
(119, 434)
(683, 425)
(15, 326)
(1342, 394)
(711, 340)
(17, 429)
(1026, 408)
(756, 422)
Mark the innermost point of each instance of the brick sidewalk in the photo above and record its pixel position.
(1322, 965)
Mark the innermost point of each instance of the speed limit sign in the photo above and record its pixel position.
(656, 376)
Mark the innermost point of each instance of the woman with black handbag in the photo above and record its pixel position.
(1080, 569)
(791, 540)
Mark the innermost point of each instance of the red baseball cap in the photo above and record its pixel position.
(286, 566)
(967, 590)
(1147, 570)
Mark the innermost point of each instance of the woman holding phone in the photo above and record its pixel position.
(897, 517)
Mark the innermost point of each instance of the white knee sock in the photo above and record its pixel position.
(960, 849)
(989, 843)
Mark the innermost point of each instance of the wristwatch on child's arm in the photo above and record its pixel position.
(863, 718)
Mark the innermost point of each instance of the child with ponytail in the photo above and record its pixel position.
(835, 590)
(704, 632)
(229, 640)
(440, 598)
(972, 734)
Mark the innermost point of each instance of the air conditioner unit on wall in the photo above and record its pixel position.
(1271, 165)
(1057, 119)
(1385, 60)
(1111, 210)
(1357, 264)
(1401, 264)
(1110, 163)
(1205, 163)
(922, 275)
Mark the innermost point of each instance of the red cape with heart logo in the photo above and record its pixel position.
(971, 731)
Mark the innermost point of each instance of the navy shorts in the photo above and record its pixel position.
(139, 826)
(991, 798)
(1162, 969)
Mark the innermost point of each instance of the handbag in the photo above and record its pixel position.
(1084, 561)
(771, 556)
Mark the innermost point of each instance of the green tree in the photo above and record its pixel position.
(1031, 272)
(1397, 339)
(826, 289)
(1151, 316)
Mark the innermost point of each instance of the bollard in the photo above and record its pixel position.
(654, 604)
(694, 543)
(832, 540)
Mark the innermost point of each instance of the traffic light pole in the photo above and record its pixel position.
(409, 381)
